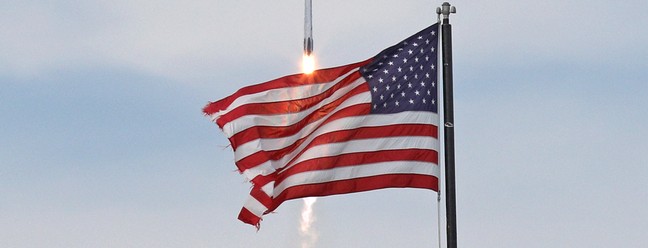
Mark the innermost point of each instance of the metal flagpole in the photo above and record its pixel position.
(448, 114)
(438, 79)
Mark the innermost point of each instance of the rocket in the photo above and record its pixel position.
(308, 28)
(308, 60)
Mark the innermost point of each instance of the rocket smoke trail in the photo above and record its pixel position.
(309, 236)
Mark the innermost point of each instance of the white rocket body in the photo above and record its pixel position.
(308, 28)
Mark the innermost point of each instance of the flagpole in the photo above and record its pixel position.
(448, 114)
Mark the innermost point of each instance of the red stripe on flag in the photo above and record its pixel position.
(284, 107)
(339, 136)
(351, 159)
(358, 185)
(248, 217)
(261, 132)
(319, 76)
(263, 179)
(261, 196)
(406, 130)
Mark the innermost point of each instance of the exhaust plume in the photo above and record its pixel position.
(308, 235)
(308, 63)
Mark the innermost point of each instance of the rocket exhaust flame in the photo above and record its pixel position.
(309, 236)
(308, 63)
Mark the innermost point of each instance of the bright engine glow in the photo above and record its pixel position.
(308, 64)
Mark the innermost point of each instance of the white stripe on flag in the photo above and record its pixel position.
(282, 120)
(354, 146)
(254, 206)
(358, 171)
(368, 145)
(283, 94)
(352, 122)
(268, 167)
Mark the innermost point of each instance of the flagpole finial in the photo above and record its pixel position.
(446, 9)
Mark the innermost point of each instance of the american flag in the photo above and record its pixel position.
(358, 127)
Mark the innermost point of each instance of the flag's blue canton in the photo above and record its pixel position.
(404, 76)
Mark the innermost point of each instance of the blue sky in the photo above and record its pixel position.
(103, 143)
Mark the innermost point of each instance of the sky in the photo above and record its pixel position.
(103, 142)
